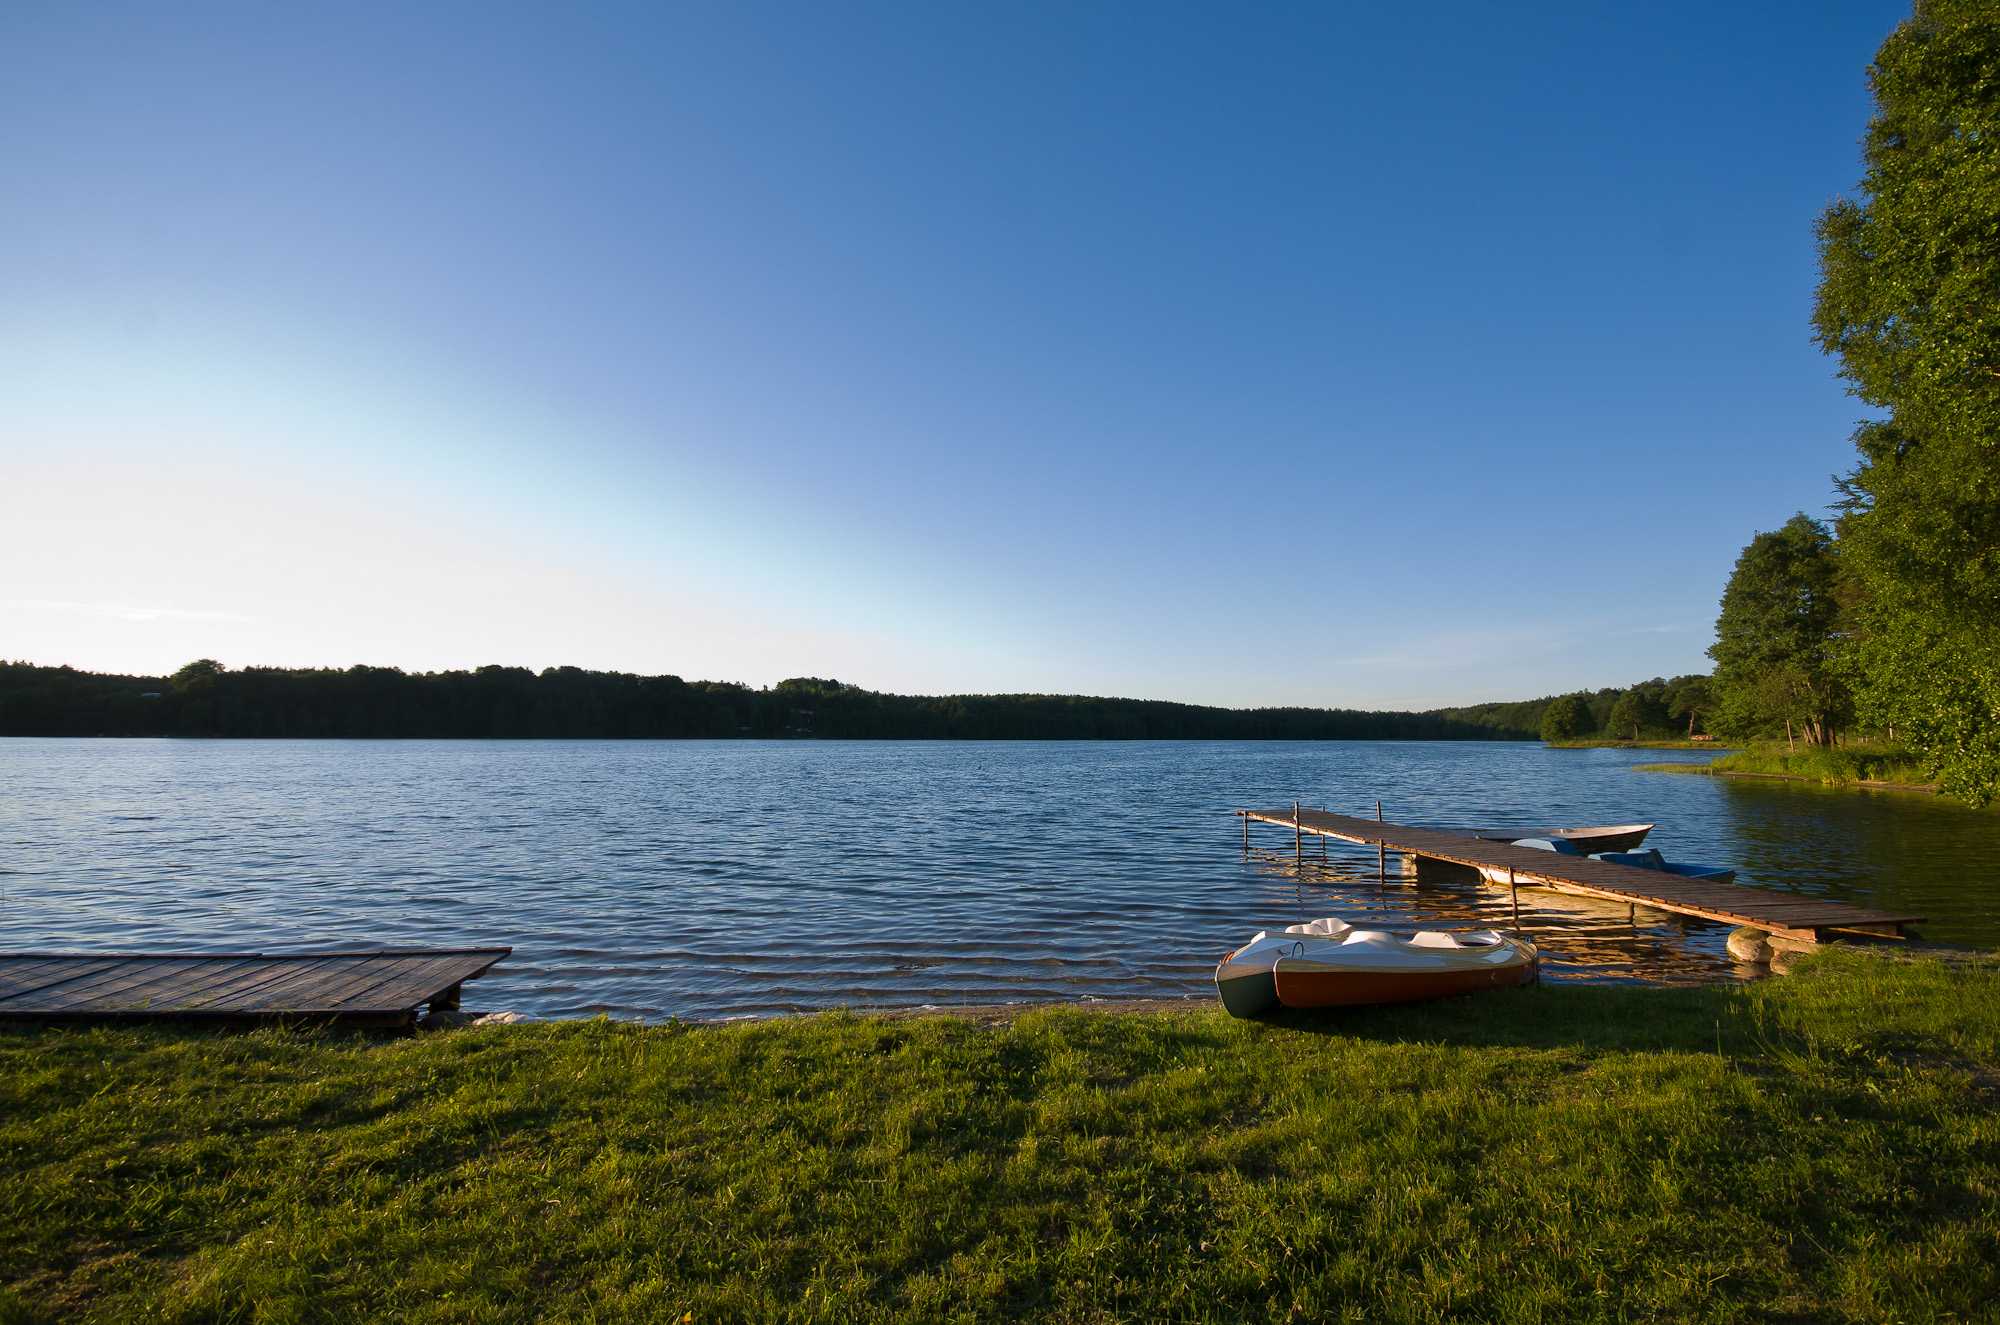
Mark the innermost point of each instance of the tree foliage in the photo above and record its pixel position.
(1564, 719)
(1592, 712)
(1690, 697)
(1776, 636)
(1909, 300)
(1628, 713)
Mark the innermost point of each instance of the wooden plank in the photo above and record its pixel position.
(409, 988)
(166, 983)
(28, 955)
(17, 971)
(373, 986)
(277, 995)
(293, 989)
(387, 984)
(18, 975)
(254, 978)
(122, 974)
(47, 980)
(322, 989)
(235, 970)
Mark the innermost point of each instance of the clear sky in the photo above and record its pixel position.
(1336, 354)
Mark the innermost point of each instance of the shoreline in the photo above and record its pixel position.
(1614, 743)
(1860, 784)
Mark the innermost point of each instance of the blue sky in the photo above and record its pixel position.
(1322, 354)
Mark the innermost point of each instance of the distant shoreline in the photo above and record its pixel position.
(1614, 743)
(1860, 784)
(568, 703)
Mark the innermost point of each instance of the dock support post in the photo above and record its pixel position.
(1381, 854)
(1514, 893)
(1246, 835)
(1298, 836)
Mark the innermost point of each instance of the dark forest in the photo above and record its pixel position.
(205, 699)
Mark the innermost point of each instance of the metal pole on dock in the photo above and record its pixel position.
(1298, 836)
(1246, 835)
(1381, 854)
(1514, 892)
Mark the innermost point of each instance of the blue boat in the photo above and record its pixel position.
(1650, 859)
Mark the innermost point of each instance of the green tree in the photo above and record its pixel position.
(1688, 697)
(197, 676)
(1629, 710)
(1564, 718)
(1910, 285)
(1776, 637)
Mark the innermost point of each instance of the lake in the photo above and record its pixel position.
(734, 878)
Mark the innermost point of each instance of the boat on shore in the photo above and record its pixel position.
(1606, 837)
(1328, 963)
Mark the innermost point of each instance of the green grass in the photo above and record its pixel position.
(1859, 764)
(1821, 1147)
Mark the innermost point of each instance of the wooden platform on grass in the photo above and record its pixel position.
(377, 988)
(1784, 914)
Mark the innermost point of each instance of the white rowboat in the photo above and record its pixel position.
(1328, 963)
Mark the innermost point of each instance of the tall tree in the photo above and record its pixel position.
(1909, 299)
(1627, 713)
(1564, 718)
(1688, 697)
(1775, 638)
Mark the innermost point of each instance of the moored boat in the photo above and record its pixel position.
(1557, 845)
(1606, 837)
(1649, 859)
(1244, 978)
(1330, 964)
(1652, 860)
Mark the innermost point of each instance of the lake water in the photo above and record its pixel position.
(707, 879)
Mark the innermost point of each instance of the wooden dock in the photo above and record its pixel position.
(375, 988)
(1786, 916)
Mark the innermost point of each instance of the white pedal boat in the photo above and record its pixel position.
(1559, 846)
(1328, 963)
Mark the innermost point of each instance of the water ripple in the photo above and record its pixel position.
(649, 879)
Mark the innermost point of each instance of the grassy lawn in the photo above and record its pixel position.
(1860, 765)
(1821, 1147)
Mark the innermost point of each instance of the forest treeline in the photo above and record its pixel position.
(206, 699)
(1650, 710)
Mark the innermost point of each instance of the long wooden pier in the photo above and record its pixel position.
(377, 988)
(1786, 916)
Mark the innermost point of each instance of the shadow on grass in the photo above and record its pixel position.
(1693, 1020)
